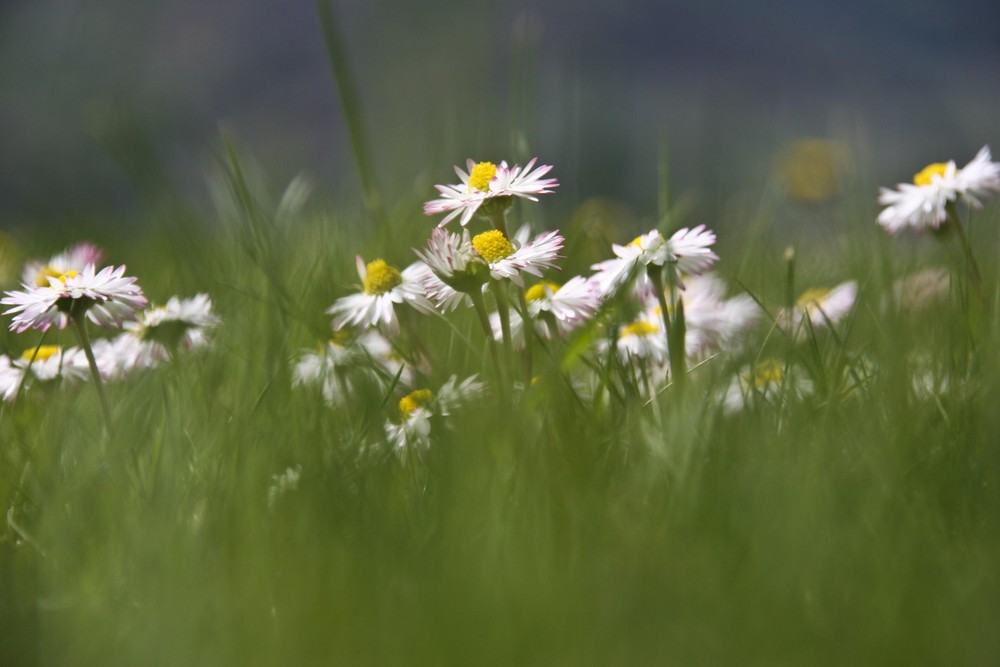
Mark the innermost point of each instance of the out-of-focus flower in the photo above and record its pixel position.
(43, 364)
(822, 306)
(922, 204)
(382, 287)
(182, 323)
(107, 299)
(283, 484)
(919, 290)
(769, 382)
(75, 258)
(486, 183)
(342, 361)
(713, 322)
(570, 305)
(412, 433)
(809, 169)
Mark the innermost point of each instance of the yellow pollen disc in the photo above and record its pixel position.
(640, 328)
(68, 274)
(925, 174)
(637, 242)
(380, 277)
(492, 245)
(481, 176)
(538, 291)
(41, 280)
(766, 373)
(44, 352)
(812, 298)
(415, 399)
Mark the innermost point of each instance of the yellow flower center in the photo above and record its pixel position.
(637, 241)
(44, 352)
(492, 245)
(812, 298)
(415, 399)
(481, 176)
(68, 274)
(766, 373)
(380, 277)
(925, 175)
(42, 279)
(640, 328)
(541, 290)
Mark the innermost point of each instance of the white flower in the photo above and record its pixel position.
(283, 484)
(412, 433)
(454, 269)
(486, 181)
(50, 362)
(341, 362)
(642, 340)
(649, 248)
(107, 298)
(768, 382)
(713, 322)
(823, 307)
(382, 286)
(74, 258)
(687, 251)
(922, 204)
(570, 305)
(507, 260)
(181, 323)
(125, 353)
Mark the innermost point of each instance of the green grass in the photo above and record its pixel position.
(860, 525)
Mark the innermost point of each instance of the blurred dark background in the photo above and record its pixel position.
(107, 104)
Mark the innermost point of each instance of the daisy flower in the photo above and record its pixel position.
(688, 251)
(341, 362)
(181, 323)
(823, 306)
(74, 258)
(382, 287)
(570, 304)
(713, 322)
(642, 339)
(454, 269)
(485, 183)
(416, 409)
(50, 362)
(107, 298)
(119, 356)
(922, 204)
(508, 260)
(768, 382)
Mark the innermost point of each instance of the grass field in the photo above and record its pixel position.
(803, 488)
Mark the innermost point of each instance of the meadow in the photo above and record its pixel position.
(742, 447)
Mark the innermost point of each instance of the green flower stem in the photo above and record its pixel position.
(34, 355)
(528, 327)
(503, 310)
(484, 321)
(973, 266)
(80, 326)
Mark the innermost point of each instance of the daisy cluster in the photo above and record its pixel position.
(653, 309)
(66, 290)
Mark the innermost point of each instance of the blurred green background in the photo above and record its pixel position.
(104, 104)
